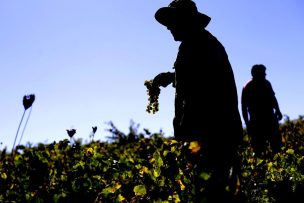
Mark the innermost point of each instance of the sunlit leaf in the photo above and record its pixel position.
(182, 186)
(143, 170)
(121, 198)
(140, 190)
(156, 172)
(194, 147)
(205, 175)
(290, 151)
(3, 176)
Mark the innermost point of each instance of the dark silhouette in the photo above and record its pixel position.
(27, 101)
(71, 132)
(261, 112)
(206, 106)
(94, 129)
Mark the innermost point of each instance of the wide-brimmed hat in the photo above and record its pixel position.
(181, 11)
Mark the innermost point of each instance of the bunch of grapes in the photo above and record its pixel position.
(153, 93)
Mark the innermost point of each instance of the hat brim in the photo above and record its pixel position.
(168, 16)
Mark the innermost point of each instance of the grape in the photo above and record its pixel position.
(153, 93)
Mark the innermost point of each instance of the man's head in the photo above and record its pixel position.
(258, 71)
(181, 16)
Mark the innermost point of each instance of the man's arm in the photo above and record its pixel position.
(277, 112)
(244, 107)
(164, 79)
(277, 109)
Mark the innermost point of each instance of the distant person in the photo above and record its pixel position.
(261, 112)
(206, 104)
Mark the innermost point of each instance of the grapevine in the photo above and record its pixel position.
(153, 93)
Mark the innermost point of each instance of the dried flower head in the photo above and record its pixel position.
(71, 132)
(28, 101)
(94, 129)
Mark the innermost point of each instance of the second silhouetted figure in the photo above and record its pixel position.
(261, 112)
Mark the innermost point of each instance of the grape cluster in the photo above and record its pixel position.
(153, 93)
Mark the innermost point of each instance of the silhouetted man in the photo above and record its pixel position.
(261, 112)
(206, 106)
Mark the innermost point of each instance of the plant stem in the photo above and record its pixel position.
(25, 125)
(18, 130)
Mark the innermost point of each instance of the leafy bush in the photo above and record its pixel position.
(142, 167)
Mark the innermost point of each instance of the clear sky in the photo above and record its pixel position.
(86, 61)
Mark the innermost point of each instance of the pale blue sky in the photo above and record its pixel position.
(86, 61)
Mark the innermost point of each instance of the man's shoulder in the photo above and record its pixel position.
(267, 82)
(210, 36)
(248, 84)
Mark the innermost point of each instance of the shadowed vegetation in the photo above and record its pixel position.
(143, 167)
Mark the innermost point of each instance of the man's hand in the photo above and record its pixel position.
(163, 79)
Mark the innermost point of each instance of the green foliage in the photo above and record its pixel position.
(142, 167)
(279, 178)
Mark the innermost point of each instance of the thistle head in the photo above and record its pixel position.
(94, 129)
(28, 101)
(71, 132)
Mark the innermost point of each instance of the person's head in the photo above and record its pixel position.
(181, 17)
(258, 71)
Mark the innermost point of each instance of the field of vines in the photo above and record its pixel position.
(143, 167)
